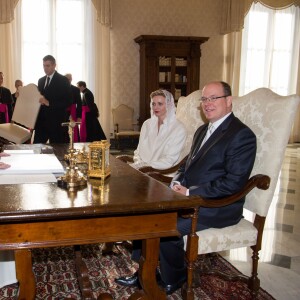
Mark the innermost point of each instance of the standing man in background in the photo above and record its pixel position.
(15, 95)
(56, 98)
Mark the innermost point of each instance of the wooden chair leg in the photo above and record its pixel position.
(187, 291)
(254, 281)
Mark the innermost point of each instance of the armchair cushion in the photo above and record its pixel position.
(240, 235)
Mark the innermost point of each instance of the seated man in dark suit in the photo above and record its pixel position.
(219, 164)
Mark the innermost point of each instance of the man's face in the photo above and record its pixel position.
(49, 67)
(18, 84)
(215, 110)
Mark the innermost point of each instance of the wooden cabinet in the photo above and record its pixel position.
(168, 62)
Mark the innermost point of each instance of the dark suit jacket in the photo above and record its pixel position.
(76, 99)
(6, 98)
(49, 120)
(219, 169)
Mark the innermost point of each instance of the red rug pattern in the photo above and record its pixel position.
(55, 274)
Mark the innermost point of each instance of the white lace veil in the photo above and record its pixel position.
(170, 104)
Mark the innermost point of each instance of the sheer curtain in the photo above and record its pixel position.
(270, 50)
(270, 53)
(60, 28)
(232, 60)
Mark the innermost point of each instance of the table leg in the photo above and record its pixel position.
(25, 274)
(191, 256)
(82, 275)
(147, 272)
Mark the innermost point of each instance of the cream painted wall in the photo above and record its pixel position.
(132, 18)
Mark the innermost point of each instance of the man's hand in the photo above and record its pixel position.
(179, 189)
(44, 101)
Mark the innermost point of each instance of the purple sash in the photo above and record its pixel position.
(85, 109)
(3, 109)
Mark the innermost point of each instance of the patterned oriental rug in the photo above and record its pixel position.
(55, 273)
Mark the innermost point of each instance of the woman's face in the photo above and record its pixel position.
(159, 107)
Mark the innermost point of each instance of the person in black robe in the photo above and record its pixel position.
(5, 98)
(90, 129)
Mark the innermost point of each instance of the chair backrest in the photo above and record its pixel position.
(270, 116)
(27, 106)
(123, 116)
(189, 114)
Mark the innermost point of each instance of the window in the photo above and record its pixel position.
(61, 28)
(270, 42)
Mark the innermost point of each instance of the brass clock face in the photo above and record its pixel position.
(99, 159)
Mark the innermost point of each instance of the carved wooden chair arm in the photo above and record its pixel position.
(259, 181)
(148, 169)
(160, 177)
(125, 158)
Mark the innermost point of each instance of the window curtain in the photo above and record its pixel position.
(232, 23)
(269, 59)
(232, 60)
(9, 63)
(102, 63)
(234, 12)
(7, 10)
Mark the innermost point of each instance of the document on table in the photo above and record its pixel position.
(31, 164)
(25, 151)
(27, 178)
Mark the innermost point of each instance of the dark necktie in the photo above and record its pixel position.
(209, 132)
(47, 82)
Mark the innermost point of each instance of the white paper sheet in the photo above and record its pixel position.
(19, 151)
(27, 178)
(32, 164)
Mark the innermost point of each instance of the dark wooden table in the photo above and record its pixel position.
(128, 206)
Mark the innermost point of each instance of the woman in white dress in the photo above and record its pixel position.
(162, 136)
